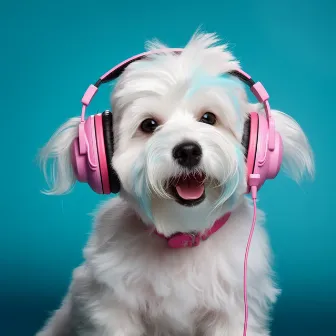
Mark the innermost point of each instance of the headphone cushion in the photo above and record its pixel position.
(246, 136)
(103, 165)
(107, 120)
(253, 139)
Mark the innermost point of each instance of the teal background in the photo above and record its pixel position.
(52, 50)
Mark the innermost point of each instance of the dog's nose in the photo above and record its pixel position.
(187, 154)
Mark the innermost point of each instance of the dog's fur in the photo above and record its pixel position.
(131, 283)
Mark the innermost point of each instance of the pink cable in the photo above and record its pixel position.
(254, 197)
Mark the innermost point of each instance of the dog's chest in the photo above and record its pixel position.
(180, 283)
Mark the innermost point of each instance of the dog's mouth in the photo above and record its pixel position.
(188, 190)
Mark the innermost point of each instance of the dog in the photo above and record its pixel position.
(180, 134)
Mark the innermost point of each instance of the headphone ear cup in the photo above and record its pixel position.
(84, 156)
(107, 120)
(268, 162)
(260, 159)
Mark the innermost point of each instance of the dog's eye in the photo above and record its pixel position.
(149, 125)
(208, 118)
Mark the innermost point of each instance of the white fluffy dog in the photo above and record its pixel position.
(131, 283)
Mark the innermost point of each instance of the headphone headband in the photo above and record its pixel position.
(256, 88)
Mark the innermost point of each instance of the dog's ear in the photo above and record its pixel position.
(58, 149)
(298, 158)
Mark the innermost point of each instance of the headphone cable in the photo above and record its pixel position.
(254, 198)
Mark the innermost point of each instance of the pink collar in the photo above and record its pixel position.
(180, 239)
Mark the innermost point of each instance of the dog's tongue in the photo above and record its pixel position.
(190, 188)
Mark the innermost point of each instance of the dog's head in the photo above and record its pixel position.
(178, 126)
(178, 129)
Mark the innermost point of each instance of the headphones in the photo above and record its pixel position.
(92, 150)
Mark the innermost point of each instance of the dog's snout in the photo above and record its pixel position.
(187, 154)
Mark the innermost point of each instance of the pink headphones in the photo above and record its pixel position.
(92, 150)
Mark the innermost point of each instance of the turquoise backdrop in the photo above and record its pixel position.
(51, 51)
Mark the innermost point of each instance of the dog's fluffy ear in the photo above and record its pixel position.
(58, 149)
(298, 158)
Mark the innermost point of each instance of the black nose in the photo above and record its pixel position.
(187, 154)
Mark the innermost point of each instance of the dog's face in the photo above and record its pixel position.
(178, 142)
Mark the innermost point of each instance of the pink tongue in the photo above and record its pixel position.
(190, 189)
